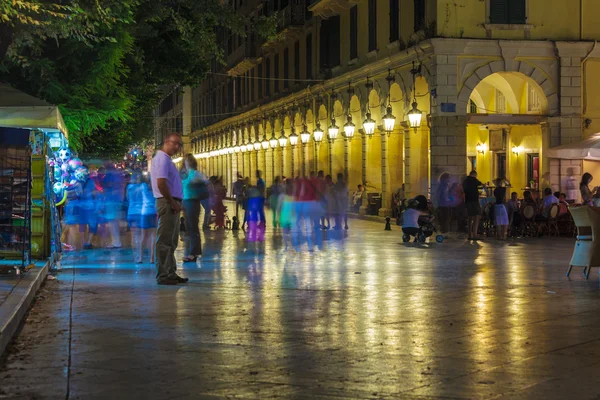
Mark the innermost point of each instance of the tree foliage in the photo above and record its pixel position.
(104, 62)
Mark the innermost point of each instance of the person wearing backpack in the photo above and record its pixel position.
(195, 189)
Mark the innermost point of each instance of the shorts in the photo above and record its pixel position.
(88, 218)
(500, 214)
(148, 221)
(112, 211)
(71, 214)
(473, 209)
(134, 221)
(410, 231)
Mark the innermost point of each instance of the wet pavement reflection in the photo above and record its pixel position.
(364, 316)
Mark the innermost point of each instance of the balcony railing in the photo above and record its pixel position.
(243, 59)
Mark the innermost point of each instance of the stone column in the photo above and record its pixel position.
(385, 209)
(448, 146)
(363, 208)
(406, 162)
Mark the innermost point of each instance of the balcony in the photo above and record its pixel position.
(331, 8)
(290, 23)
(243, 59)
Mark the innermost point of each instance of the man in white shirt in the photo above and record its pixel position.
(549, 199)
(168, 192)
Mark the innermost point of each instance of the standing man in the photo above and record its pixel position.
(262, 189)
(238, 192)
(168, 192)
(471, 189)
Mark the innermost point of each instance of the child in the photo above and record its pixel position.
(500, 213)
(415, 208)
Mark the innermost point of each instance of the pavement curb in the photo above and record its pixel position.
(16, 305)
(372, 218)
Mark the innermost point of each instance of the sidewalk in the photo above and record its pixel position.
(16, 295)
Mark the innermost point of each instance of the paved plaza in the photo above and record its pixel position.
(364, 317)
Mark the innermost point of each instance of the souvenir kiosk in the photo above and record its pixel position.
(31, 133)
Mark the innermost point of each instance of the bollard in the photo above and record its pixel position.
(235, 226)
(388, 227)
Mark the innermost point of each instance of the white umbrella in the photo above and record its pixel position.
(588, 149)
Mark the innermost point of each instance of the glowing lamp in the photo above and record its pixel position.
(369, 125)
(414, 116)
(318, 133)
(389, 120)
(349, 128)
(333, 130)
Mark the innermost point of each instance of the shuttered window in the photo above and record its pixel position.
(419, 15)
(286, 68)
(372, 25)
(508, 12)
(394, 20)
(354, 32)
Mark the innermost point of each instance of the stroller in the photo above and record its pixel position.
(426, 229)
(425, 221)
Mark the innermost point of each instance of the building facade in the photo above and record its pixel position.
(494, 82)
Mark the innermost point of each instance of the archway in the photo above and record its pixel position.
(504, 132)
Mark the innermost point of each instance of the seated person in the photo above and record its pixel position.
(512, 206)
(549, 199)
(357, 198)
(563, 204)
(596, 199)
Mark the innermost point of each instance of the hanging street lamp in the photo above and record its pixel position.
(349, 128)
(333, 130)
(369, 125)
(415, 115)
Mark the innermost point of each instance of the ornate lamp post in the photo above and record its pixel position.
(293, 143)
(317, 137)
(304, 138)
(415, 115)
(273, 142)
(282, 143)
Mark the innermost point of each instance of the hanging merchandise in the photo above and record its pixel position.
(15, 205)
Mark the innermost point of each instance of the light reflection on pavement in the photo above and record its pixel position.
(364, 317)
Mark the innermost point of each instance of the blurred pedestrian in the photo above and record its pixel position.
(149, 218)
(135, 201)
(194, 190)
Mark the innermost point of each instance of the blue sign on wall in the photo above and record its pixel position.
(449, 107)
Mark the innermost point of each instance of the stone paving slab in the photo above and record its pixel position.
(16, 295)
(365, 316)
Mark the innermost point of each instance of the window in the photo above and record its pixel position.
(354, 32)
(419, 15)
(286, 67)
(508, 12)
(276, 70)
(500, 102)
(533, 100)
(472, 107)
(372, 25)
(252, 86)
(394, 20)
(260, 82)
(533, 169)
(330, 42)
(268, 77)
(297, 61)
(309, 55)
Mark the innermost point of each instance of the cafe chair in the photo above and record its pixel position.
(587, 246)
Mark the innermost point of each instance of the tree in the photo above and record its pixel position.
(103, 62)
